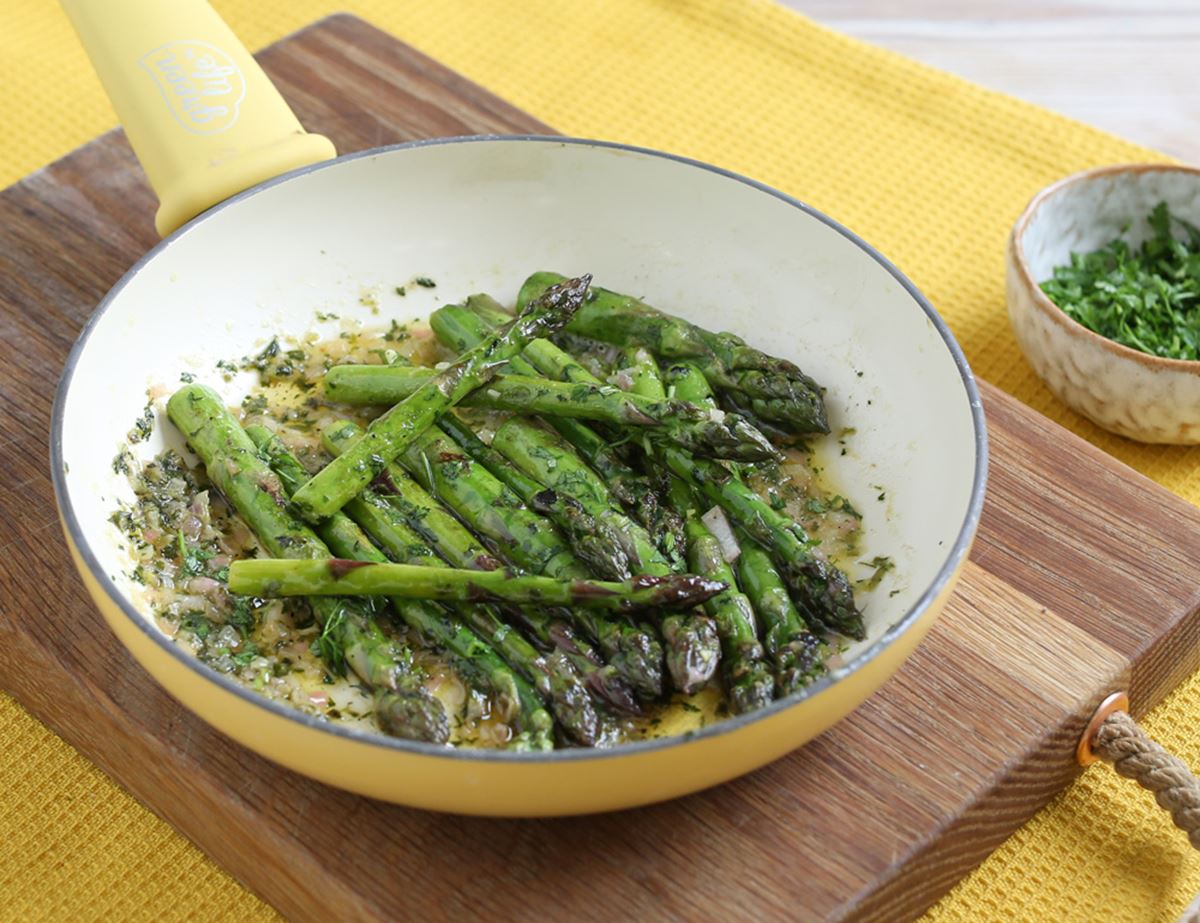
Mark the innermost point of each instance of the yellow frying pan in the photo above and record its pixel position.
(479, 214)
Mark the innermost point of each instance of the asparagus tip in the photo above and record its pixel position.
(679, 591)
(693, 651)
(413, 715)
(753, 690)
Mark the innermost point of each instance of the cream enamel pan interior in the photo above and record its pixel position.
(478, 215)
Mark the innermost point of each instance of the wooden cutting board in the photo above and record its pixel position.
(1083, 580)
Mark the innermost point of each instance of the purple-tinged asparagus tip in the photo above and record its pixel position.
(554, 308)
(679, 591)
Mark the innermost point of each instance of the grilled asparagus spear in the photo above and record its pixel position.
(496, 513)
(692, 651)
(698, 430)
(390, 434)
(777, 390)
(350, 634)
(748, 683)
(604, 549)
(446, 535)
(515, 699)
(682, 631)
(345, 577)
(794, 651)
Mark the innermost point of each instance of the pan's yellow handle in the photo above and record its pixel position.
(202, 117)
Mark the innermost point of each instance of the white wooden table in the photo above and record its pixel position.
(1131, 67)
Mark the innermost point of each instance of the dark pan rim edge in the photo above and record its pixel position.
(950, 566)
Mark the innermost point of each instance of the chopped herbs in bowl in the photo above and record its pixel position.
(1145, 297)
(1103, 287)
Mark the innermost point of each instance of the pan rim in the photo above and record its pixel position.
(948, 569)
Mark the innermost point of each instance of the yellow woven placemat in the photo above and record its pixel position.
(929, 168)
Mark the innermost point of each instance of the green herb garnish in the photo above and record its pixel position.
(881, 565)
(1147, 299)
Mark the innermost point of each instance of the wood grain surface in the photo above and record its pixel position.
(1082, 580)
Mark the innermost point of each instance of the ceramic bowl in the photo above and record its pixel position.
(1125, 391)
(479, 214)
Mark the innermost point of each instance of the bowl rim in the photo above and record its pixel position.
(1054, 312)
(953, 560)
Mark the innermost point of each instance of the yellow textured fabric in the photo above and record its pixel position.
(927, 167)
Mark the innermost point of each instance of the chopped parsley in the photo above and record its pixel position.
(121, 461)
(192, 558)
(881, 566)
(243, 616)
(1146, 298)
(197, 625)
(244, 654)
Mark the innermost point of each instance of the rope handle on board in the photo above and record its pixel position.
(1113, 736)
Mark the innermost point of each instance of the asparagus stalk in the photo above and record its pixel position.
(822, 589)
(389, 384)
(345, 577)
(455, 544)
(700, 431)
(515, 699)
(817, 586)
(778, 390)
(533, 543)
(604, 549)
(777, 433)
(461, 329)
(645, 379)
(350, 635)
(392, 433)
(692, 650)
(681, 631)
(685, 378)
(549, 460)
(793, 649)
(553, 675)
(748, 683)
(488, 309)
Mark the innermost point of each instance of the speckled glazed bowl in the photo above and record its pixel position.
(1125, 391)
